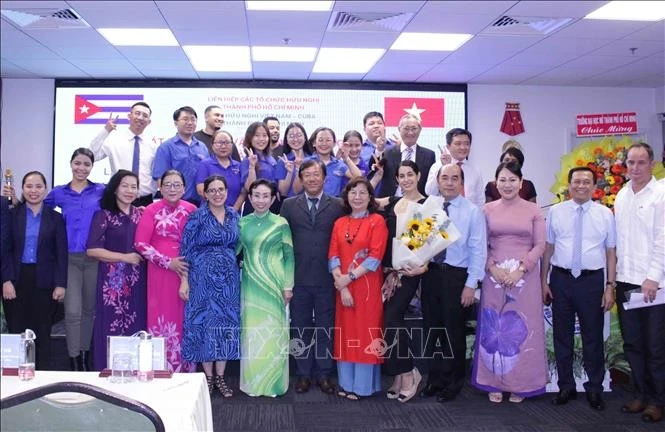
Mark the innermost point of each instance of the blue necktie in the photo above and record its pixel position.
(441, 258)
(312, 209)
(576, 268)
(135, 157)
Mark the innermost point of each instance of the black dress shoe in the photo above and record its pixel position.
(446, 395)
(430, 390)
(326, 386)
(564, 396)
(595, 401)
(303, 385)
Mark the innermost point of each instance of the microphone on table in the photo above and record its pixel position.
(9, 180)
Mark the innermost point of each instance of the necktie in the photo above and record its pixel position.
(312, 209)
(441, 258)
(576, 268)
(408, 153)
(459, 164)
(135, 157)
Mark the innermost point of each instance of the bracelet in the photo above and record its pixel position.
(612, 284)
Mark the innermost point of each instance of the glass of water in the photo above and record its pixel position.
(122, 368)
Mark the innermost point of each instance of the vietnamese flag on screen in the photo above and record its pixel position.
(430, 110)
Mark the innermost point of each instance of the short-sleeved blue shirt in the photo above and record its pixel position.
(335, 175)
(265, 169)
(174, 153)
(211, 166)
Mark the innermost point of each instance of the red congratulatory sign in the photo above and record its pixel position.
(606, 124)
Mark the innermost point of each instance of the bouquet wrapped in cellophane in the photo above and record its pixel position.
(423, 231)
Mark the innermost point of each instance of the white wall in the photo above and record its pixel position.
(549, 115)
(27, 126)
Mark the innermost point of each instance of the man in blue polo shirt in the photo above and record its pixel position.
(183, 152)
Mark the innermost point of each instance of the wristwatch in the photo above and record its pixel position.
(522, 268)
(352, 276)
(611, 284)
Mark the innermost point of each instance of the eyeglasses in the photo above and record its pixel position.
(222, 143)
(410, 129)
(215, 191)
(187, 119)
(295, 136)
(172, 185)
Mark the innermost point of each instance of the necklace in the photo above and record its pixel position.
(348, 237)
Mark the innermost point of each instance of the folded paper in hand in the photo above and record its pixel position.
(636, 300)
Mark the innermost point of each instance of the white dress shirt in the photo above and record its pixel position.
(598, 234)
(118, 146)
(474, 187)
(640, 222)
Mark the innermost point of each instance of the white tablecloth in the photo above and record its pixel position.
(183, 401)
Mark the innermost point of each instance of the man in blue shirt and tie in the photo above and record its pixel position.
(182, 152)
(449, 287)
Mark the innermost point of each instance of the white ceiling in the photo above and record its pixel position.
(583, 53)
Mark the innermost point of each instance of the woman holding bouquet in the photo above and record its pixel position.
(398, 361)
(357, 246)
(510, 341)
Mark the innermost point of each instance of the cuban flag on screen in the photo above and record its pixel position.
(96, 108)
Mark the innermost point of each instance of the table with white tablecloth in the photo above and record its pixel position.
(183, 401)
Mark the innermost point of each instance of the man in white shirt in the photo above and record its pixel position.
(640, 220)
(581, 242)
(129, 149)
(458, 147)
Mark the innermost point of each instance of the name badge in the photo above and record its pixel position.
(10, 348)
(130, 344)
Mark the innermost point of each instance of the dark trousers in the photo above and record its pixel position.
(32, 308)
(398, 359)
(311, 340)
(143, 201)
(443, 322)
(644, 346)
(581, 296)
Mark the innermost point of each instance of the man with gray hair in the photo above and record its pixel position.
(409, 130)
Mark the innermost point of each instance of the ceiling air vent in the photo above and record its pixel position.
(44, 18)
(525, 26)
(369, 21)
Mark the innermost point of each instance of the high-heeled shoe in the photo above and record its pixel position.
(85, 361)
(405, 396)
(393, 391)
(75, 363)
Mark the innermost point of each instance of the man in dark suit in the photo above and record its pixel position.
(311, 216)
(34, 280)
(409, 130)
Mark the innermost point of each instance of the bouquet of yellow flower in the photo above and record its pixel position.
(423, 231)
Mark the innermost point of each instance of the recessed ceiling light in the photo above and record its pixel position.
(316, 6)
(430, 41)
(346, 60)
(214, 58)
(283, 54)
(138, 36)
(630, 11)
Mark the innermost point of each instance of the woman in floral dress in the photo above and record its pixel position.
(121, 281)
(158, 239)
(510, 339)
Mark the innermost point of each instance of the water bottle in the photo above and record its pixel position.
(145, 372)
(26, 361)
